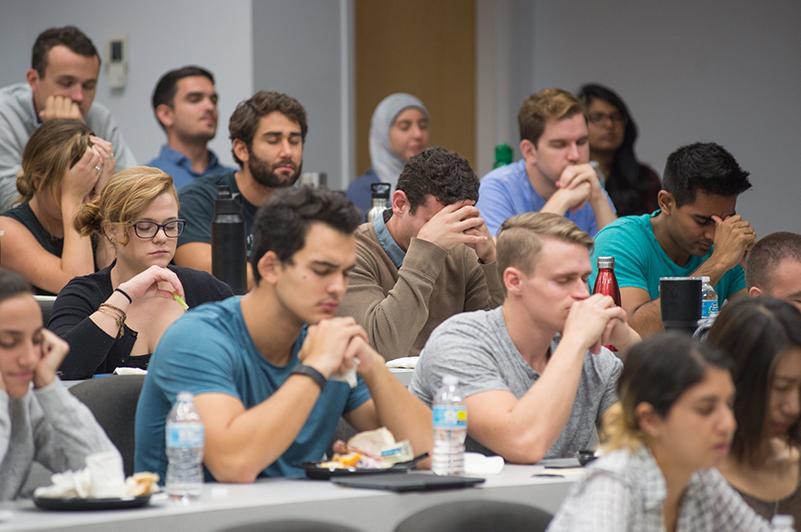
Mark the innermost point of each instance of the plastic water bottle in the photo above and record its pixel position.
(228, 251)
(450, 429)
(184, 438)
(782, 523)
(709, 300)
(379, 194)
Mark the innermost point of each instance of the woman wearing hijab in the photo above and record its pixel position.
(398, 131)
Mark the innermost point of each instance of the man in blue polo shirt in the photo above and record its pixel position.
(554, 174)
(260, 375)
(695, 232)
(185, 105)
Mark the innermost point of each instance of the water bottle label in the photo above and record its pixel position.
(709, 308)
(450, 416)
(184, 435)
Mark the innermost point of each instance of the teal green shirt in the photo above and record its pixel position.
(640, 260)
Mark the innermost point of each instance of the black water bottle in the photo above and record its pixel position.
(228, 253)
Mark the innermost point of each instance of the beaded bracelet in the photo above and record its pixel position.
(117, 313)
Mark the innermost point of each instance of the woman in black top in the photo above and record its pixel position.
(116, 316)
(63, 165)
(632, 185)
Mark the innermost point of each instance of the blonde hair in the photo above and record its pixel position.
(126, 195)
(51, 151)
(542, 106)
(520, 238)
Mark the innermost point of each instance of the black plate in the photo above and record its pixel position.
(77, 503)
(314, 471)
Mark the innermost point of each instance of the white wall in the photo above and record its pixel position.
(727, 71)
(216, 34)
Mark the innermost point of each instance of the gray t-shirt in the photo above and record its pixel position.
(476, 348)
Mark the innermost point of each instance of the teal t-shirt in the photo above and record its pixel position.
(209, 350)
(640, 260)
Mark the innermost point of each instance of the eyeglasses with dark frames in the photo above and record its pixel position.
(148, 229)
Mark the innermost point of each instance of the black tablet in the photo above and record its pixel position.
(408, 482)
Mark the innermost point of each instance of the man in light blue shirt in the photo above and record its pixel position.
(185, 105)
(554, 174)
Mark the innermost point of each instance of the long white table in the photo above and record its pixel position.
(226, 505)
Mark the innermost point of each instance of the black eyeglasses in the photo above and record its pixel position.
(598, 117)
(148, 229)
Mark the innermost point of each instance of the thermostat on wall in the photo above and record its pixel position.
(117, 64)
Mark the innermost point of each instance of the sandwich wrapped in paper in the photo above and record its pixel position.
(374, 449)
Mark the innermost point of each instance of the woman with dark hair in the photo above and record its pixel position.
(763, 336)
(45, 423)
(632, 185)
(672, 424)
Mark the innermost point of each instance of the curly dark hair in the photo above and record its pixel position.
(705, 166)
(245, 119)
(68, 36)
(282, 222)
(438, 172)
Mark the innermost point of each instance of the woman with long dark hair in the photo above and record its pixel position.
(763, 336)
(633, 186)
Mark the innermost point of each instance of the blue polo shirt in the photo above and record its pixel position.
(507, 191)
(640, 260)
(179, 167)
(209, 350)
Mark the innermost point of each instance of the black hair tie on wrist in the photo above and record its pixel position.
(121, 291)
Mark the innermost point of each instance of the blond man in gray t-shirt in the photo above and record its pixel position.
(535, 376)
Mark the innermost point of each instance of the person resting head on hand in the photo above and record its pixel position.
(45, 423)
(115, 317)
(674, 422)
(63, 166)
(763, 337)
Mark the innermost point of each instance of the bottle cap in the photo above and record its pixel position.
(185, 396)
(503, 155)
(705, 279)
(606, 262)
(380, 190)
(450, 380)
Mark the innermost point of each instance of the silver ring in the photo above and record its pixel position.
(98, 168)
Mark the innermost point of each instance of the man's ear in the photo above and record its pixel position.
(513, 280)
(400, 203)
(165, 115)
(32, 77)
(528, 150)
(269, 267)
(666, 201)
(755, 291)
(241, 150)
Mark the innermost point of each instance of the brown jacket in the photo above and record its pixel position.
(400, 307)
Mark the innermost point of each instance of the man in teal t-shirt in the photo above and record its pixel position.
(261, 379)
(695, 232)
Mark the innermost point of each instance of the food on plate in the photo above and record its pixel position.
(373, 449)
(143, 483)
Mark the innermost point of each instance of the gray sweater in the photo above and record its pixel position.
(48, 426)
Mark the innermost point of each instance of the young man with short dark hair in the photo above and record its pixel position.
(429, 257)
(185, 105)
(61, 83)
(773, 267)
(554, 174)
(259, 366)
(534, 376)
(267, 132)
(696, 232)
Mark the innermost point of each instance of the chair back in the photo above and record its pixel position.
(477, 516)
(46, 304)
(113, 400)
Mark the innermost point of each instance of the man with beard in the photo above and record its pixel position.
(185, 105)
(267, 133)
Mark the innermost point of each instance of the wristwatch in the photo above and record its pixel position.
(313, 374)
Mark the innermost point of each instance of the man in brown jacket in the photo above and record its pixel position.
(429, 257)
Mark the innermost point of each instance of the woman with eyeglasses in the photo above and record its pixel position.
(63, 165)
(115, 317)
(633, 186)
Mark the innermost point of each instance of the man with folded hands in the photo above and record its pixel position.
(261, 366)
(429, 257)
(534, 373)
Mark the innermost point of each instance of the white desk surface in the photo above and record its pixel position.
(226, 505)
